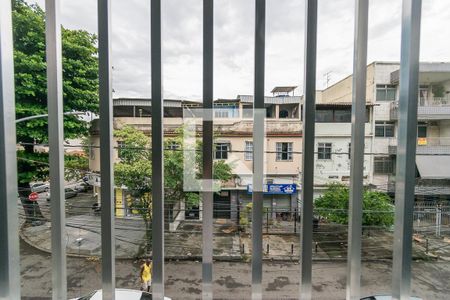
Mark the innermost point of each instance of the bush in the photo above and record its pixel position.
(334, 203)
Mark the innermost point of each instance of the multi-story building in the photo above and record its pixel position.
(233, 126)
(433, 129)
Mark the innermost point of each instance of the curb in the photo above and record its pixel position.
(234, 258)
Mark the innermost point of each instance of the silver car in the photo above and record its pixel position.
(68, 192)
(39, 187)
(121, 294)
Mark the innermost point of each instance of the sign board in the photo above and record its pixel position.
(33, 196)
(276, 189)
(422, 141)
(120, 209)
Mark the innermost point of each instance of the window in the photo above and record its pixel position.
(324, 151)
(386, 92)
(383, 165)
(284, 151)
(384, 129)
(337, 115)
(222, 150)
(324, 115)
(91, 152)
(343, 115)
(422, 130)
(248, 154)
(423, 94)
(120, 145)
(172, 145)
(247, 111)
(349, 150)
(283, 114)
(226, 110)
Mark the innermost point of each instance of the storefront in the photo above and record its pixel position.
(280, 200)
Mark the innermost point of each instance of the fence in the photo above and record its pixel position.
(9, 250)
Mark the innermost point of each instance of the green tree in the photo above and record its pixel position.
(134, 170)
(80, 81)
(334, 203)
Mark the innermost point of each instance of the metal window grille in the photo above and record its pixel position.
(324, 151)
(284, 151)
(386, 92)
(248, 155)
(384, 129)
(172, 145)
(408, 95)
(222, 150)
(349, 150)
(383, 165)
(120, 146)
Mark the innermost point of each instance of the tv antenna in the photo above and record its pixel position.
(327, 76)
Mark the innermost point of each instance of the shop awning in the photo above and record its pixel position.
(433, 166)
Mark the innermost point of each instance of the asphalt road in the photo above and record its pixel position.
(231, 280)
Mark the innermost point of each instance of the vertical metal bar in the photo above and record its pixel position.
(309, 111)
(157, 152)
(55, 139)
(258, 149)
(9, 222)
(406, 164)
(207, 194)
(106, 150)
(357, 150)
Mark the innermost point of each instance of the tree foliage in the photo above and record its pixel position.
(334, 203)
(134, 169)
(80, 73)
(35, 166)
(80, 87)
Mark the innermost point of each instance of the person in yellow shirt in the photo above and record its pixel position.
(146, 275)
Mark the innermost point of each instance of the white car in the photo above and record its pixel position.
(385, 297)
(121, 294)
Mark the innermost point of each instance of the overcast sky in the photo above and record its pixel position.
(234, 42)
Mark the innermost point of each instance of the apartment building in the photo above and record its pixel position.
(233, 125)
(433, 128)
(233, 143)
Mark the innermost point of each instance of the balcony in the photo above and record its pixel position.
(426, 146)
(432, 108)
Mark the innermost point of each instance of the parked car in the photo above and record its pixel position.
(69, 193)
(121, 294)
(82, 187)
(39, 187)
(385, 297)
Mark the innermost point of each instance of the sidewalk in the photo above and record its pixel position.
(83, 238)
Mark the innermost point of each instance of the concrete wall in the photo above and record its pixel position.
(338, 167)
(342, 90)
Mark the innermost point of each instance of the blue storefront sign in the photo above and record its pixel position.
(276, 189)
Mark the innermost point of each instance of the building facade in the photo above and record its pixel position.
(433, 128)
(233, 127)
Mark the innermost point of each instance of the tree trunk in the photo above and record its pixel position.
(148, 236)
(32, 210)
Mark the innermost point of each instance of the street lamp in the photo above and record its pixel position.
(46, 115)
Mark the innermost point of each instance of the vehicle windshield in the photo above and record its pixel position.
(88, 296)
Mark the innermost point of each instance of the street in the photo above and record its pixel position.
(231, 280)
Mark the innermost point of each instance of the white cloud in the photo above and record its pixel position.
(234, 46)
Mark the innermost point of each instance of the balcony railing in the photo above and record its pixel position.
(432, 108)
(428, 145)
